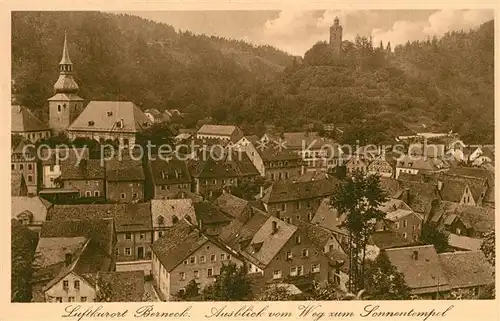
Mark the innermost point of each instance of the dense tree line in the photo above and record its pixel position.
(374, 92)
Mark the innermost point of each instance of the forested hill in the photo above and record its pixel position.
(444, 84)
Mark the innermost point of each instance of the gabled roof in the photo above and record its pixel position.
(423, 274)
(126, 286)
(168, 209)
(464, 242)
(17, 183)
(52, 250)
(86, 169)
(238, 233)
(295, 140)
(214, 169)
(285, 191)
(481, 219)
(36, 205)
(104, 116)
(173, 171)
(174, 247)
(209, 213)
(127, 217)
(467, 269)
(23, 120)
(272, 153)
(328, 217)
(265, 244)
(234, 206)
(316, 233)
(223, 130)
(421, 163)
(389, 239)
(124, 170)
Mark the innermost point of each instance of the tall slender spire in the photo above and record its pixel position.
(65, 55)
(65, 83)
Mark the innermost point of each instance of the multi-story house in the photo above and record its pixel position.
(415, 164)
(223, 132)
(187, 254)
(133, 229)
(27, 125)
(401, 219)
(357, 163)
(109, 120)
(381, 166)
(86, 177)
(50, 159)
(124, 180)
(291, 200)
(278, 251)
(212, 176)
(154, 115)
(211, 218)
(166, 213)
(68, 251)
(169, 177)
(30, 211)
(23, 160)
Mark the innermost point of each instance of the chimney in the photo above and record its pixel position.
(200, 225)
(415, 255)
(275, 227)
(261, 193)
(440, 185)
(67, 259)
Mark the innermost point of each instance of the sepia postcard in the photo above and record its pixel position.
(237, 161)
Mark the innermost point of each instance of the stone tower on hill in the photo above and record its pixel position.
(65, 105)
(336, 37)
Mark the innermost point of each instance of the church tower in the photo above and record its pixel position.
(65, 105)
(336, 37)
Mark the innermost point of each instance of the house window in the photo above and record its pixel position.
(162, 187)
(186, 262)
(228, 257)
(128, 252)
(396, 225)
(30, 178)
(222, 256)
(83, 299)
(405, 223)
(142, 236)
(213, 258)
(196, 274)
(272, 176)
(214, 181)
(59, 108)
(202, 259)
(183, 275)
(30, 167)
(283, 207)
(135, 195)
(65, 284)
(314, 268)
(21, 166)
(96, 193)
(88, 193)
(160, 234)
(13, 166)
(309, 216)
(192, 259)
(293, 271)
(128, 236)
(210, 272)
(415, 226)
(405, 235)
(298, 239)
(59, 299)
(76, 284)
(122, 195)
(71, 299)
(289, 255)
(300, 270)
(277, 274)
(305, 253)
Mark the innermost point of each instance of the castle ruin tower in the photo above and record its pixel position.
(336, 37)
(65, 105)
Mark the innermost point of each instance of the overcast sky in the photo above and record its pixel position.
(295, 31)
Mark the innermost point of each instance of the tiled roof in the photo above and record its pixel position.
(272, 153)
(313, 175)
(195, 198)
(124, 170)
(216, 130)
(52, 250)
(428, 150)
(172, 248)
(172, 171)
(239, 233)
(127, 217)
(464, 242)
(481, 219)
(23, 120)
(467, 269)
(126, 286)
(421, 195)
(16, 183)
(421, 163)
(36, 205)
(390, 185)
(422, 275)
(209, 213)
(389, 239)
(265, 245)
(236, 207)
(154, 112)
(214, 169)
(105, 116)
(168, 209)
(285, 191)
(86, 169)
(296, 140)
(327, 217)
(53, 156)
(317, 234)
(25, 150)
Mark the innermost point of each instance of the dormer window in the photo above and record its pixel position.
(91, 123)
(160, 220)
(110, 113)
(59, 108)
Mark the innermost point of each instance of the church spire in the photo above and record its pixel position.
(65, 83)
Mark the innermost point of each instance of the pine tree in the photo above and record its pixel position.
(384, 282)
(231, 285)
(432, 234)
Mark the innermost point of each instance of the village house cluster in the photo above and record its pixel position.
(149, 227)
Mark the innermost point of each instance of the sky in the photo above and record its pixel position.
(295, 31)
